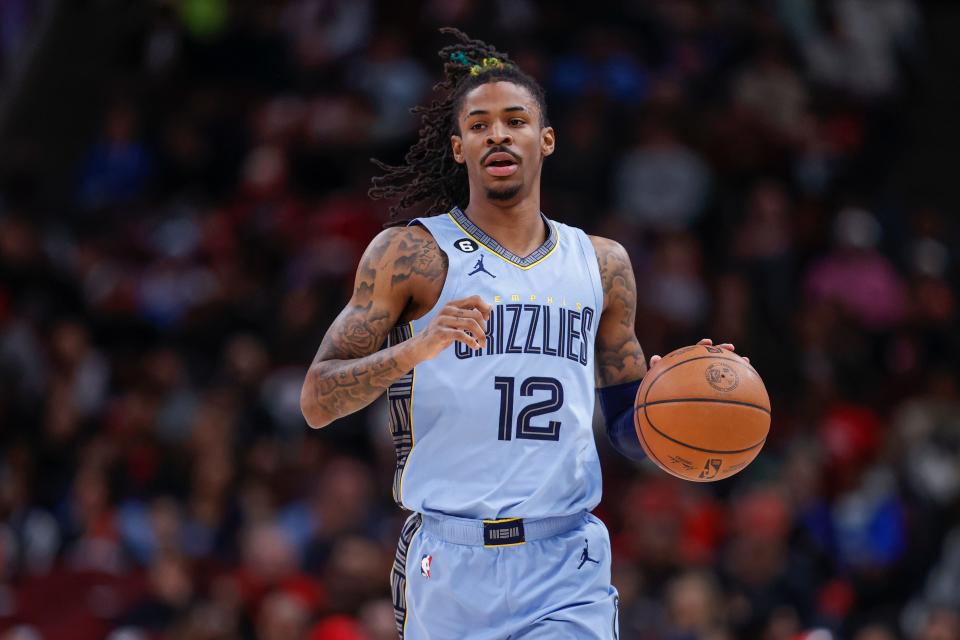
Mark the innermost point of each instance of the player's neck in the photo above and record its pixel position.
(517, 227)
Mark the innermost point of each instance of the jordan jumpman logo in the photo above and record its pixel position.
(479, 267)
(585, 555)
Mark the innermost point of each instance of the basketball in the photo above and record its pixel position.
(702, 413)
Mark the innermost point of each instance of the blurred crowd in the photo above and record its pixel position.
(18, 21)
(157, 479)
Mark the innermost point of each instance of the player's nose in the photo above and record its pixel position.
(498, 135)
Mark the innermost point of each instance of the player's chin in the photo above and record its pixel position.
(504, 191)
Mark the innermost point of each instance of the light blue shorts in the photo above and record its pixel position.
(449, 585)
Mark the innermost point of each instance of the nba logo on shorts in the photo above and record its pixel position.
(425, 565)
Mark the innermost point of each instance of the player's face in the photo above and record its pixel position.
(501, 141)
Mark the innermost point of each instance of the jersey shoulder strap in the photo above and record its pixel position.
(578, 238)
(447, 234)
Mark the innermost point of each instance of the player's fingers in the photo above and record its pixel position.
(451, 310)
(470, 301)
(707, 342)
(746, 359)
(462, 312)
(463, 322)
(451, 335)
(472, 313)
(654, 360)
(461, 336)
(468, 324)
(476, 329)
(473, 302)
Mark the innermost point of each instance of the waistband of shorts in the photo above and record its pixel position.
(471, 532)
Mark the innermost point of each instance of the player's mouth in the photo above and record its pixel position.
(501, 164)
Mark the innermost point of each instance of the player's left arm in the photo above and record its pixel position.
(621, 364)
(619, 356)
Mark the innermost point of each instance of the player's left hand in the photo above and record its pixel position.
(706, 342)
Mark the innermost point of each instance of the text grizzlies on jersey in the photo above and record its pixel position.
(537, 329)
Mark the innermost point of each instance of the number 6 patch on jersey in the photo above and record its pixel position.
(466, 245)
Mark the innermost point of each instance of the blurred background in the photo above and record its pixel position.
(182, 208)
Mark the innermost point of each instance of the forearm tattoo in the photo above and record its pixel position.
(349, 372)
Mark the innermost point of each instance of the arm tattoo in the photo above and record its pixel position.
(343, 384)
(349, 372)
(419, 257)
(619, 356)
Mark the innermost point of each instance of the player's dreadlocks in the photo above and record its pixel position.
(430, 174)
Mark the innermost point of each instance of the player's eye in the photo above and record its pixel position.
(476, 126)
(516, 122)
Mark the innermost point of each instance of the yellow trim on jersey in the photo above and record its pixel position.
(500, 546)
(406, 463)
(507, 260)
(501, 520)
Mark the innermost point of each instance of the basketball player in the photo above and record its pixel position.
(499, 325)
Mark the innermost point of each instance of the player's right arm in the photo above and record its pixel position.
(403, 269)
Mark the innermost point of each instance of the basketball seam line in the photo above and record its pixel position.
(649, 449)
(718, 400)
(701, 449)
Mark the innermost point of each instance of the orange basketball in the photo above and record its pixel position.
(702, 413)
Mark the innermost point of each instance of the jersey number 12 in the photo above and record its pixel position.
(525, 429)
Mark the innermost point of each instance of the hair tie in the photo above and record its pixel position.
(459, 58)
(487, 64)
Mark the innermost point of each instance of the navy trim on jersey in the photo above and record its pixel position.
(398, 573)
(400, 412)
(481, 236)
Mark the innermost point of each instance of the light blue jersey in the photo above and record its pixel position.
(504, 431)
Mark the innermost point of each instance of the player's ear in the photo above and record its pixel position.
(548, 140)
(456, 143)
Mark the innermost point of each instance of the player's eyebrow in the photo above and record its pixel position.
(482, 112)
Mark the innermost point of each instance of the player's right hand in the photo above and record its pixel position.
(461, 320)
